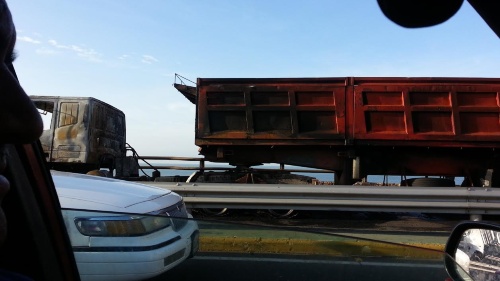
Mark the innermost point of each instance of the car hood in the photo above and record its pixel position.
(78, 191)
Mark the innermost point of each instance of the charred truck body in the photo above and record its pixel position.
(81, 133)
(354, 126)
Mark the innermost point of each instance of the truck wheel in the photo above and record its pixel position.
(282, 214)
(433, 182)
(215, 211)
(99, 173)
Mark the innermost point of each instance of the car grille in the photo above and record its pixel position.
(178, 212)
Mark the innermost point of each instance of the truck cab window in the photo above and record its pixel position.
(46, 109)
(68, 114)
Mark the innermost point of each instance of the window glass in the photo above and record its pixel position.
(46, 108)
(107, 119)
(68, 113)
(175, 245)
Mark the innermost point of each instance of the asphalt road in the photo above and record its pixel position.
(278, 268)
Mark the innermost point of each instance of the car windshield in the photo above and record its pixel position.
(126, 53)
(256, 140)
(248, 251)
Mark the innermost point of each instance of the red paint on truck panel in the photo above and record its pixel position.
(391, 109)
(335, 119)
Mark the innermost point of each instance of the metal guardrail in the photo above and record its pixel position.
(457, 200)
(202, 166)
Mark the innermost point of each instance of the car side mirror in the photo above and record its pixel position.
(473, 251)
(419, 13)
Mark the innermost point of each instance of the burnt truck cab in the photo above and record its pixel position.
(81, 133)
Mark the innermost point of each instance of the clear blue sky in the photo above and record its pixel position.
(126, 52)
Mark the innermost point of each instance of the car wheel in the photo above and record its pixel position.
(477, 256)
(195, 244)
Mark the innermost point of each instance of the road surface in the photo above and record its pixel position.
(277, 268)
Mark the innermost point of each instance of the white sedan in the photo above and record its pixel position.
(112, 233)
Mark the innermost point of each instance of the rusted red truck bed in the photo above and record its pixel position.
(408, 111)
(431, 126)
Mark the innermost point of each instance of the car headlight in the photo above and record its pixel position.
(120, 225)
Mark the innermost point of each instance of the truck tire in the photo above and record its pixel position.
(282, 214)
(432, 182)
(215, 211)
(99, 173)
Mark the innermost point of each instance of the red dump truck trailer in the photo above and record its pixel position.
(355, 126)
